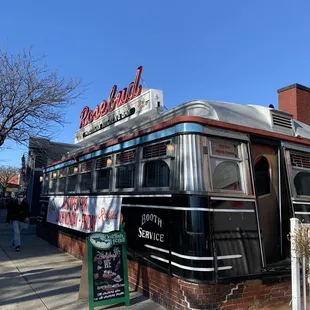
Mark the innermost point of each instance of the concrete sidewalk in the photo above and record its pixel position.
(41, 276)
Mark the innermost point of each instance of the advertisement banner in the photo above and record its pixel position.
(85, 213)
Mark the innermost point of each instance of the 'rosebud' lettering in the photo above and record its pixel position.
(134, 90)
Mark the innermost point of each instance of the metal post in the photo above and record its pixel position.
(295, 269)
(304, 282)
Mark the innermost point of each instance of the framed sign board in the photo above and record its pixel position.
(107, 269)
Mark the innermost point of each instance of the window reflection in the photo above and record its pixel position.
(226, 175)
(302, 183)
(156, 174)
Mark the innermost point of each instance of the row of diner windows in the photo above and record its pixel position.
(79, 177)
(228, 170)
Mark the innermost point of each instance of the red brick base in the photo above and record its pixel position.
(176, 294)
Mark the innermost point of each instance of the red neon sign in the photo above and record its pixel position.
(134, 90)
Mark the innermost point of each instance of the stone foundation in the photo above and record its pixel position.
(177, 294)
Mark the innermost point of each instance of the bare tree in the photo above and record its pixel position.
(6, 175)
(32, 98)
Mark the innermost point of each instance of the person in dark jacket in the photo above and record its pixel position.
(18, 214)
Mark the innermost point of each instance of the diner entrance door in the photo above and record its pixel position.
(265, 165)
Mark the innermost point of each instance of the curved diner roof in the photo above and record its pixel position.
(251, 119)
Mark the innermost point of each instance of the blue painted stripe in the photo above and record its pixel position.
(165, 133)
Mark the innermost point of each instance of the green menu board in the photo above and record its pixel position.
(107, 269)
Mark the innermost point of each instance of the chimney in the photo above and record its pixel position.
(295, 99)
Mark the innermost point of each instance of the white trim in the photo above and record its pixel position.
(193, 257)
(224, 268)
(160, 259)
(188, 208)
(232, 199)
(300, 202)
(229, 256)
(155, 248)
(302, 212)
(166, 195)
(188, 267)
(232, 210)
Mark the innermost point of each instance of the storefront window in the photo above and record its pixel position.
(302, 183)
(62, 180)
(262, 176)
(226, 176)
(301, 173)
(225, 162)
(125, 170)
(53, 182)
(156, 174)
(125, 176)
(45, 184)
(103, 173)
(72, 178)
(85, 172)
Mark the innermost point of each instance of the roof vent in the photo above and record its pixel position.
(155, 150)
(282, 122)
(300, 160)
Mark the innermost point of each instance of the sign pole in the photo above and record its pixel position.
(295, 269)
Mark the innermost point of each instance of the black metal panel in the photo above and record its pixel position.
(236, 239)
(186, 250)
(264, 141)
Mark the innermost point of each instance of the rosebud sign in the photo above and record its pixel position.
(134, 90)
(119, 111)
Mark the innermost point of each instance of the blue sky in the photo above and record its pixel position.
(239, 51)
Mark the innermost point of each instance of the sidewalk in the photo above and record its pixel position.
(41, 276)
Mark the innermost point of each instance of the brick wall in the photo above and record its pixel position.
(295, 99)
(73, 246)
(176, 294)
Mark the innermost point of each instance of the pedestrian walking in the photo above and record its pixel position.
(18, 214)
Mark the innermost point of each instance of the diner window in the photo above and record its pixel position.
(103, 170)
(262, 176)
(156, 169)
(156, 173)
(125, 169)
(53, 182)
(302, 183)
(62, 180)
(85, 172)
(301, 173)
(225, 163)
(72, 178)
(45, 184)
